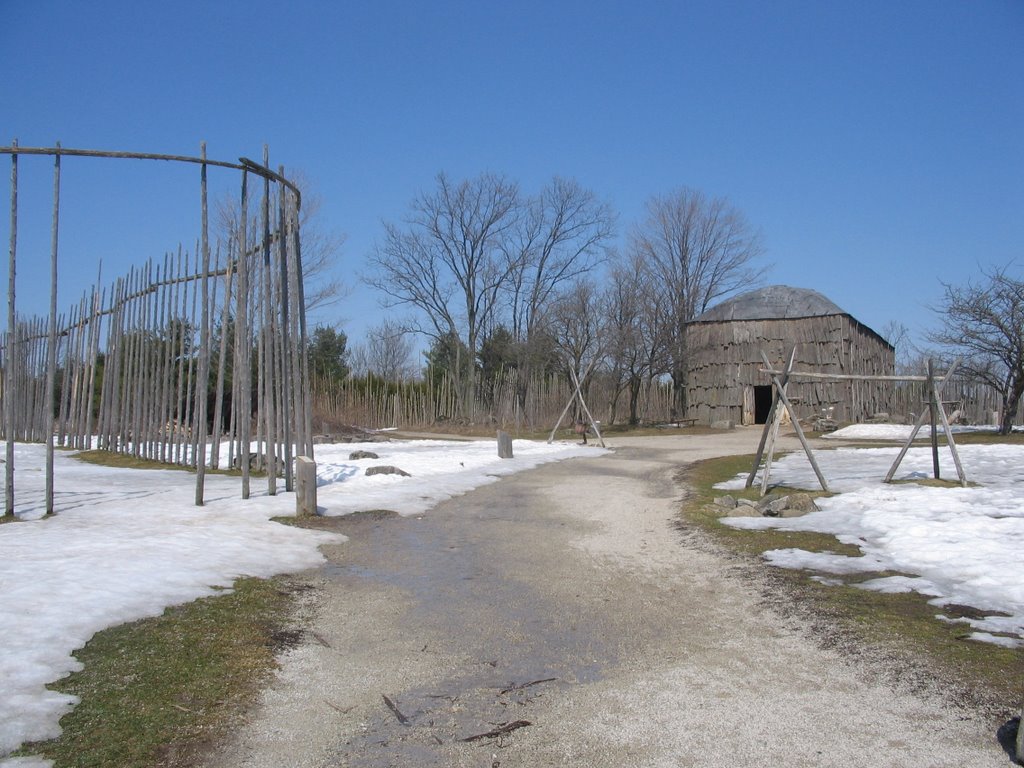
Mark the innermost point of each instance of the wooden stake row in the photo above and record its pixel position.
(134, 366)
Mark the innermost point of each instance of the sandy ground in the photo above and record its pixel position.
(566, 597)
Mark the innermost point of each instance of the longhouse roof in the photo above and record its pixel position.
(774, 302)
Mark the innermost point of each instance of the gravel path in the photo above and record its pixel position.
(565, 597)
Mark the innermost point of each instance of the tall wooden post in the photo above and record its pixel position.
(243, 371)
(286, 368)
(218, 404)
(269, 416)
(51, 348)
(203, 375)
(95, 328)
(10, 363)
(932, 406)
(300, 298)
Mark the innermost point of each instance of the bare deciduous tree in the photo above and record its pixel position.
(562, 235)
(907, 355)
(578, 328)
(448, 262)
(635, 345)
(320, 247)
(473, 256)
(984, 322)
(697, 249)
(389, 351)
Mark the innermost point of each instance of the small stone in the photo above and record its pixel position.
(742, 510)
(772, 505)
(356, 455)
(386, 469)
(775, 508)
(800, 504)
(725, 501)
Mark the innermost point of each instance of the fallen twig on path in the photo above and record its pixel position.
(501, 730)
(320, 639)
(521, 686)
(391, 705)
(336, 708)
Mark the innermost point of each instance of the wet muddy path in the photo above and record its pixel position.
(492, 586)
(561, 617)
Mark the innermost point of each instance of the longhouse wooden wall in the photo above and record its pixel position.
(725, 366)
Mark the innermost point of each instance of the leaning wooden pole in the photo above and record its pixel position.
(919, 423)
(770, 430)
(572, 399)
(950, 442)
(10, 364)
(780, 388)
(769, 452)
(51, 344)
(579, 394)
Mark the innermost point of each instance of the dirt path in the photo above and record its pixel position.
(564, 597)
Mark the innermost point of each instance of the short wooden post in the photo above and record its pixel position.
(504, 445)
(305, 486)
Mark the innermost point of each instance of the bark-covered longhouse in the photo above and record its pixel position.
(725, 343)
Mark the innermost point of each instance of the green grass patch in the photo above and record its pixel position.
(985, 438)
(702, 476)
(125, 461)
(904, 623)
(155, 691)
(931, 482)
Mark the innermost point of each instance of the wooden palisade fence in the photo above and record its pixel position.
(149, 364)
(376, 404)
(431, 402)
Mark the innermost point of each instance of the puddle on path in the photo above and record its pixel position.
(471, 579)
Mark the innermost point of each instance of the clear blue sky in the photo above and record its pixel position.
(878, 146)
